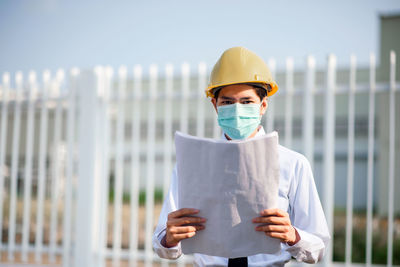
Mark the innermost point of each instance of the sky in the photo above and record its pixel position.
(52, 34)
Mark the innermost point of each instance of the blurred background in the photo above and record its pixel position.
(93, 91)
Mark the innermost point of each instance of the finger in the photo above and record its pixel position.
(272, 220)
(273, 228)
(282, 236)
(185, 221)
(191, 220)
(180, 237)
(186, 229)
(182, 212)
(274, 212)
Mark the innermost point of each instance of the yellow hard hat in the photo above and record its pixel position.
(240, 65)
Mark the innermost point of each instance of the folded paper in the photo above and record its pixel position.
(230, 182)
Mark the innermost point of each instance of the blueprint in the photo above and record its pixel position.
(230, 182)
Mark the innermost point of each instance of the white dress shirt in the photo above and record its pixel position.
(297, 195)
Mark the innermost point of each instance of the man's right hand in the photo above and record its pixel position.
(182, 224)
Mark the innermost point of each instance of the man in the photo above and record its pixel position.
(240, 85)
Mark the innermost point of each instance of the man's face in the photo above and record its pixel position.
(239, 93)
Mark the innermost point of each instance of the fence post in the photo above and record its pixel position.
(89, 170)
(104, 85)
(69, 166)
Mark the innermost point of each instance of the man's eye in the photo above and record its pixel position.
(247, 102)
(226, 102)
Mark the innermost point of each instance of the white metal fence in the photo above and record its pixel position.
(74, 148)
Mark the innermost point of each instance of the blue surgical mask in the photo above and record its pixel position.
(239, 121)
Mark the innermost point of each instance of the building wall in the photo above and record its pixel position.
(389, 40)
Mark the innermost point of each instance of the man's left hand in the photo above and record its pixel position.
(276, 223)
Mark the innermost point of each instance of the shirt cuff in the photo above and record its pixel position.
(166, 253)
(310, 248)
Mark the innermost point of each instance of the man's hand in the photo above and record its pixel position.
(276, 223)
(181, 224)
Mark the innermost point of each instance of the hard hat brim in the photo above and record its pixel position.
(210, 91)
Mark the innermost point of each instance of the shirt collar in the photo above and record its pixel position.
(260, 132)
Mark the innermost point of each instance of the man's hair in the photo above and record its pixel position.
(260, 91)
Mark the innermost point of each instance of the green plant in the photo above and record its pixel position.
(158, 197)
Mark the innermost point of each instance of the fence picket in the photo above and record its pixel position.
(370, 172)
(28, 165)
(392, 144)
(167, 128)
(3, 131)
(270, 114)
(14, 164)
(104, 80)
(42, 168)
(119, 164)
(150, 164)
(350, 162)
(185, 75)
(329, 155)
(308, 111)
(55, 163)
(135, 168)
(289, 102)
(202, 73)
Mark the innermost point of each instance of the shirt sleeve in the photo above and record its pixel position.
(169, 205)
(307, 215)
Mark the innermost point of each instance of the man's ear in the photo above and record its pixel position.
(264, 105)
(214, 102)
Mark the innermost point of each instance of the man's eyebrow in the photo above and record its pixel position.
(232, 98)
(227, 98)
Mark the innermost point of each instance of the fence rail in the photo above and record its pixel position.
(76, 146)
